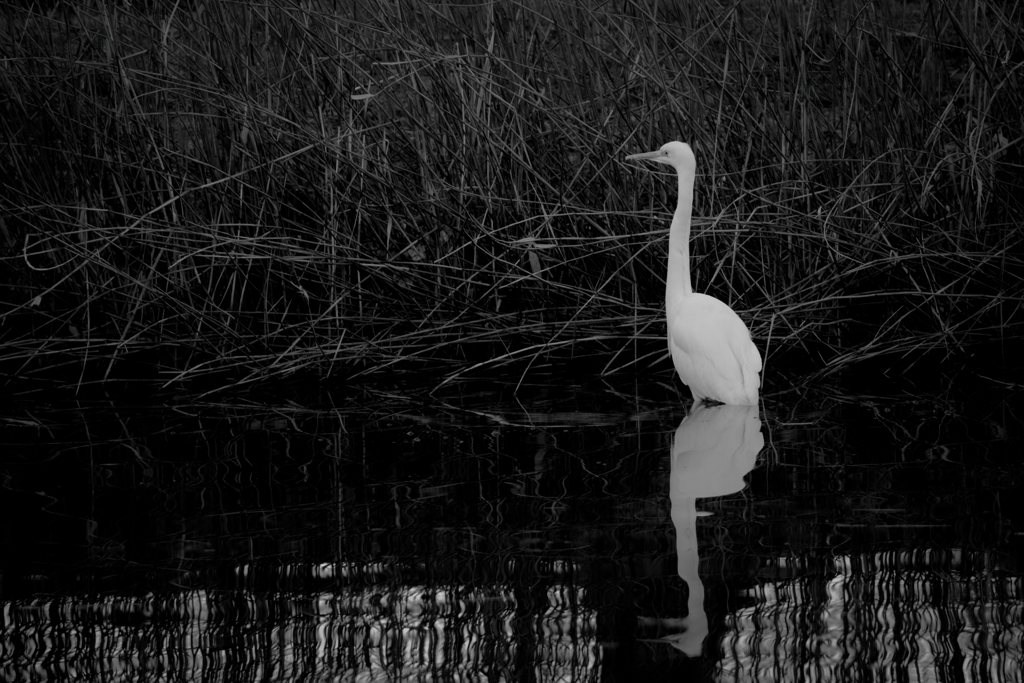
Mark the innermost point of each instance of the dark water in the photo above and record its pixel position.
(557, 533)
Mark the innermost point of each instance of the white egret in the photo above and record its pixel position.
(710, 346)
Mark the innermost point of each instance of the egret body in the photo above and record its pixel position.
(710, 346)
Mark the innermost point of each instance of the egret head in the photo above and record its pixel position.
(676, 154)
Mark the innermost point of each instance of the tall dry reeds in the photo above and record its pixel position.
(263, 188)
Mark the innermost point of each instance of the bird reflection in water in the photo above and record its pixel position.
(713, 449)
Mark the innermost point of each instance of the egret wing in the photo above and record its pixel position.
(713, 352)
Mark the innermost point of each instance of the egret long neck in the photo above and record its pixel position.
(677, 283)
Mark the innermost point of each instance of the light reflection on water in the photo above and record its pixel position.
(561, 534)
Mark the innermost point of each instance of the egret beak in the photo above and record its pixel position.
(643, 156)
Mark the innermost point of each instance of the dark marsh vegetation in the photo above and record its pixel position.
(260, 189)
